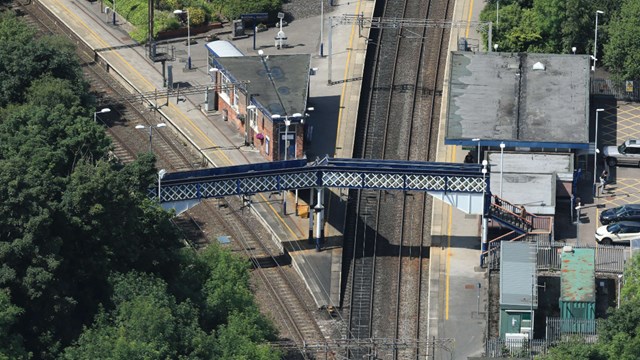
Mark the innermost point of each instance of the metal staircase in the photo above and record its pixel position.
(523, 226)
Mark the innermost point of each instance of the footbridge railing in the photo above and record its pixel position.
(341, 173)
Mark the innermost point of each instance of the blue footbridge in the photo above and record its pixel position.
(465, 186)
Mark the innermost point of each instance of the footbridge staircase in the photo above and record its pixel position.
(518, 224)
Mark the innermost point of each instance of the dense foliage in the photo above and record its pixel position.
(200, 12)
(555, 26)
(89, 266)
(619, 335)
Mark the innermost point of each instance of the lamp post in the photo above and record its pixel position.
(573, 48)
(502, 146)
(321, 28)
(619, 288)
(114, 12)
(287, 122)
(142, 127)
(595, 42)
(161, 174)
(106, 11)
(595, 153)
(495, 47)
(95, 114)
(485, 224)
(179, 12)
(478, 140)
(497, 14)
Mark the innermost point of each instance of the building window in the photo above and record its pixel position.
(228, 91)
(267, 144)
(253, 119)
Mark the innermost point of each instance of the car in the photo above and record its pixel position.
(620, 232)
(628, 212)
(626, 154)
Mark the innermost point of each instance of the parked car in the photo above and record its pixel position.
(626, 154)
(628, 212)
(620, 232)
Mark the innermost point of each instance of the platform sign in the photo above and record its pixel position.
(255, 16)
(629, 86)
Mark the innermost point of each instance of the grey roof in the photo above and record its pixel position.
(287, 90)
(498, 96)
(529, 178)
(517, 275)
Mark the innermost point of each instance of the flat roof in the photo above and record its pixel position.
(530, 178)
(518, 274)
(500, 97)
(284, 92)
(578, 275)
(221, 48)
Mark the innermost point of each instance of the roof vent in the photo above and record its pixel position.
(538, 66)
(567, 249)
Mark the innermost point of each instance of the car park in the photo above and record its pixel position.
(628, 212)
(626, 154)
(619, 232)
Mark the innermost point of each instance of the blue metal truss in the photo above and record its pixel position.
(339, 173)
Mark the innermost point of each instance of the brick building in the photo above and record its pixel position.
(265, 97)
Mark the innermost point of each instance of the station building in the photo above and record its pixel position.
(265, 97)
(528, 115)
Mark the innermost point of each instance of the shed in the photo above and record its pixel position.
(577, 285)
(518, 290)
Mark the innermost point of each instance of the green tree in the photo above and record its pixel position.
(10, 342)
(24, 58)
(146, 323)
(622, 51)
(574, 350)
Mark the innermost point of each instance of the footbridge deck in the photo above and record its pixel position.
(449, 179)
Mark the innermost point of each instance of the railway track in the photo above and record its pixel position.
(298, 320)
(387, 252)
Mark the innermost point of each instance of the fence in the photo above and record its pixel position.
(621, 90)
(609, 259)
(515, 348)
(559, 330)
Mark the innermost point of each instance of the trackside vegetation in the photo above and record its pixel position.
(556, 26)
(90, 268)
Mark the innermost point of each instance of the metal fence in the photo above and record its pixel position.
(609, 259)
(560, 330)
(515, 348)
(621, 90)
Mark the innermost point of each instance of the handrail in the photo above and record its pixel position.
(534, 225)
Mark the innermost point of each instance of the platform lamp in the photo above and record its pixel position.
(595, 152)
(595, 42)
(95, 114)
(485, 225)
(158, 126)
(502, 146)
(180, 12)
(161, 175)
